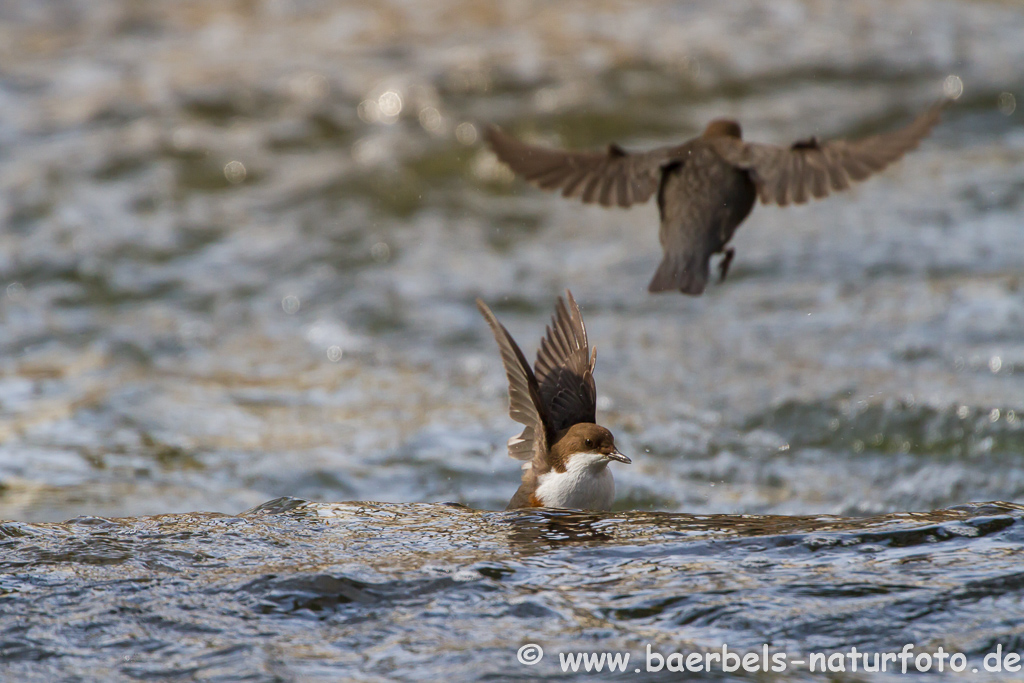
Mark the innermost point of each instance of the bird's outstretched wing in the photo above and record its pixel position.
(524, 401)
(616, 177)
(810, 168)
(565, 369)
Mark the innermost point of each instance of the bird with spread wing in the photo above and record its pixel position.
(707, 186)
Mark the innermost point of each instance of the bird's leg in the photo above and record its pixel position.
(723, 265)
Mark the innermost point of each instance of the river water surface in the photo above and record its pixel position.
(239, 249)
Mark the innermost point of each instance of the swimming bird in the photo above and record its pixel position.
(565, 453)
(707, 186)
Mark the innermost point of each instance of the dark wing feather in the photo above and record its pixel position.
(565, 369)
(614, 178)
(810, 168)
(524, 402)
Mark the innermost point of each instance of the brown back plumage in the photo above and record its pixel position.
(722, 128)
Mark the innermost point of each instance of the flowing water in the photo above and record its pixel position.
(378, 592)
(239, 252)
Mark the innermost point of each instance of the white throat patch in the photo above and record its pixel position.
(586, 484)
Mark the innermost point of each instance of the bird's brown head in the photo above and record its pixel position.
(586, 439)
(723, 128)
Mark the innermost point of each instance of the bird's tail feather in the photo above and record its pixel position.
(689, 277)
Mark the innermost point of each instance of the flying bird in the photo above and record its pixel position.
(707, 186)
(565, 453)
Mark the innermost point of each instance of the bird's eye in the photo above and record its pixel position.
(589, 443)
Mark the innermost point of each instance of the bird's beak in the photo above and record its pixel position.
(615, 455)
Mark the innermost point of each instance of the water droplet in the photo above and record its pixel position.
(380, 252)
(430, 119)
(994, 364)
(993, 415)
(1007, 103)
(234, 171)
(368, 111)
(953, 87)
(334, 353)
(310, 86)
(15, 290)
(1011, 416)
(465, 133)
(858, 446)
(390, 104)
(291, 304)
(962, 412)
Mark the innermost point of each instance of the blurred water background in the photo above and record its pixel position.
(241, 243)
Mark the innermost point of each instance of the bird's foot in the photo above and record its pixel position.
(723, 265)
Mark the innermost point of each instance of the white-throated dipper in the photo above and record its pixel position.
(565, 453)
